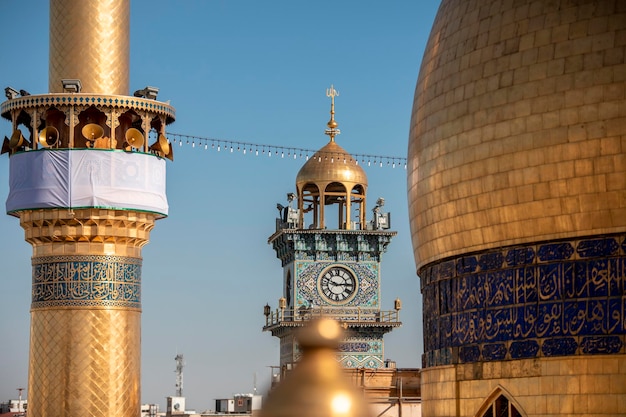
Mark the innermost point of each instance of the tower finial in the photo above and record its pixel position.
(332, 130)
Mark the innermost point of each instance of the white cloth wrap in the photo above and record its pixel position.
(87, 178)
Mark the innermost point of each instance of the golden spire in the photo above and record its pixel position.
(317, 386)
(332, 130)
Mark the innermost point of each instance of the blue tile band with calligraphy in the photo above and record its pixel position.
(559, 298)
(86, 281)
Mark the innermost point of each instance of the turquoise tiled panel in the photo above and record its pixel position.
(91, 280)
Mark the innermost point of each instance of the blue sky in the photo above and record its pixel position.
(246, 71)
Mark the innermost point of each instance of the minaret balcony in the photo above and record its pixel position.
(283, 318)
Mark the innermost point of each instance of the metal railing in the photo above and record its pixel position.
(358, 314)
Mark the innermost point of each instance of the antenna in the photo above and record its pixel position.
(20, 404)
(179, 374)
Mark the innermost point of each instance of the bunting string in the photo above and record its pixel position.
(259, 149)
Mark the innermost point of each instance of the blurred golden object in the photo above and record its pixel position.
(317, 386)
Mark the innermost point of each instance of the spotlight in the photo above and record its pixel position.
(11, 93)
(148, 92)
(381, 220)
(24, 93)
(72, 85)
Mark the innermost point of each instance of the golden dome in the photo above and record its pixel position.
(517, 132)
(331, 164)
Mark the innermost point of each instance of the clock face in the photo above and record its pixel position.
(337, 284)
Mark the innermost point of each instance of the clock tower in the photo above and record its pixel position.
(331, 257)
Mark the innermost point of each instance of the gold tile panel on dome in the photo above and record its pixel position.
(518, 131)
(331, 164)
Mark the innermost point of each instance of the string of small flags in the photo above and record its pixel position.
(258, 149)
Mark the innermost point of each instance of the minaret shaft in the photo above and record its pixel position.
(89, 40)
(85, 345)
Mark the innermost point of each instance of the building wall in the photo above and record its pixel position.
(591, 385)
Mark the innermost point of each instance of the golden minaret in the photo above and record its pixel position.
(87, 188)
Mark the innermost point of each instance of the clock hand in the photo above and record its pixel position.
(333, 282)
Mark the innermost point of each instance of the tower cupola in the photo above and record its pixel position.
(332, 177)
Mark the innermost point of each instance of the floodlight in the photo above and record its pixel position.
(148, 92)
(72, 85)
(11, 93)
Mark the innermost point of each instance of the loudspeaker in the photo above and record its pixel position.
(162, 148)
(49, 137)
(17, 141)
(134, 138)
(5, 146)
(92, 131)
(170, 154)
